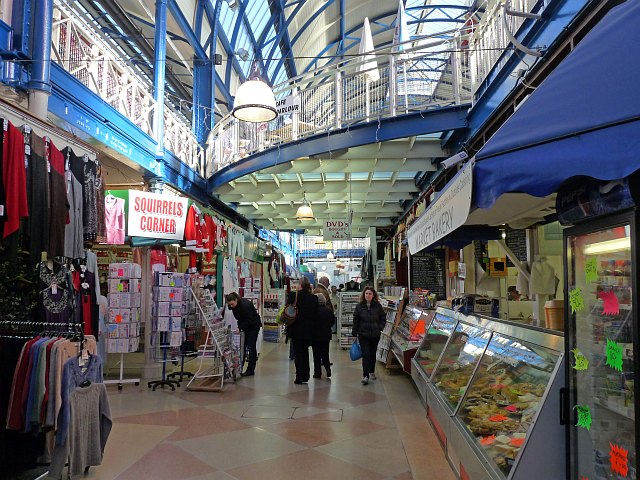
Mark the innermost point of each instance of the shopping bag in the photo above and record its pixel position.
(355, 353)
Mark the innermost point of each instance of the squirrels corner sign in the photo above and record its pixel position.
(152, 215)
(336, 230)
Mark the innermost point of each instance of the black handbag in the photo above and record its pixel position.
(290, 312)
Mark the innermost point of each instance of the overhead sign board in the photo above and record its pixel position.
(153, 215)
(448, 212)
(336, 230)
(288, 104)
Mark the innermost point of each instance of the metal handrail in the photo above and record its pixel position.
(82, 52)
(427, 76)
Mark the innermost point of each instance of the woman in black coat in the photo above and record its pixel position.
(322, 337)
(368, 321)
(301, 331)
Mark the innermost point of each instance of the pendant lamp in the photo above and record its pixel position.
(254, 100)
(304, 211)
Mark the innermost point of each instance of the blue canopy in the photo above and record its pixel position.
(584, 119)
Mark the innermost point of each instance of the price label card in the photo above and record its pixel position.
(118, 318)
(614, 355)
(591, 270)
(120, 287)
(584, 416)
(576, 300)
(581, 362)
(619, 458)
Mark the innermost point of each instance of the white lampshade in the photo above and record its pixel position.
(304, 212)
(254, 102)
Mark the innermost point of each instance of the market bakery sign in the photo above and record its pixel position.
(336, 230)
(153, 215)
(447, 213)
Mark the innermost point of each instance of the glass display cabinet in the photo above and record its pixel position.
(408, 334)
(493, 395)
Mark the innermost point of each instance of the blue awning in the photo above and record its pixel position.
(584, 119)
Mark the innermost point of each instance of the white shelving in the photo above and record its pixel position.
(347, 302)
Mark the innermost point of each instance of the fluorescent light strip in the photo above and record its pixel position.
(608, 246)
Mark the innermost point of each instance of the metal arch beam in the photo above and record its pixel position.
(194, 41)
(240, 20)
(306, 25)
(385, 28)
(440, 120)
(282, 28)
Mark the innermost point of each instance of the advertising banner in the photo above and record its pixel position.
(336, 230)
(153, 215)
(448, 212)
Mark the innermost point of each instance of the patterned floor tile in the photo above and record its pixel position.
(309, 464)
(191, 422)
(311, 433)
(166, 461)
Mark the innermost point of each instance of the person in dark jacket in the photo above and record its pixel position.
(301, 331)
(368, 321)
(249, 322)
(322, 337)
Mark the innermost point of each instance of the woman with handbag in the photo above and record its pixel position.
(368, 321)
(301, 330)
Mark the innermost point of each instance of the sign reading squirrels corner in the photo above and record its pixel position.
(449, 212)
(336, 230)
(153, 215)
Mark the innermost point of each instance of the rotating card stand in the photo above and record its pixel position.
(218, 356)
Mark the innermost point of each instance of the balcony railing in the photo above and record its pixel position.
(490, 38)
(432, 75)
(82, 52)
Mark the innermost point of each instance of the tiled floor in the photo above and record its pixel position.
(267, 427)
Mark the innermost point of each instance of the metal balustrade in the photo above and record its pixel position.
(490, 39)
(431, 75)
(84, 54)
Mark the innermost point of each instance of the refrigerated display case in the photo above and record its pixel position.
(602, 338)
(493, 396)
(408, 334)
(458, 362)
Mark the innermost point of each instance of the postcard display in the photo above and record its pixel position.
(123, 320)
(492, 391)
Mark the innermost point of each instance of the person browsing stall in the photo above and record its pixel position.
(301, 331)
(323, 289)
(322, 337)
(249, 322)
(368, 321)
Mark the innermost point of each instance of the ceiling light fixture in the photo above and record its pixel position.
(330, 256)
(254, 100)
(304, 211)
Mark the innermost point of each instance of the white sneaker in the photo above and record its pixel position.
(365, 380)
(372, 376)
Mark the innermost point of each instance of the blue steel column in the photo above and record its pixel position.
(40, 75)
(160, 49)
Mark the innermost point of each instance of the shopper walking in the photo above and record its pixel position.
(248, 322)
(368, 321)
(322, 337)
(323, 288)
(301, 331)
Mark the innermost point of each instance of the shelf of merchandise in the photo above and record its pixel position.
(347, 302)
(273, 302)
(393, 308)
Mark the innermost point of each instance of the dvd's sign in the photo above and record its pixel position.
(336, 230)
